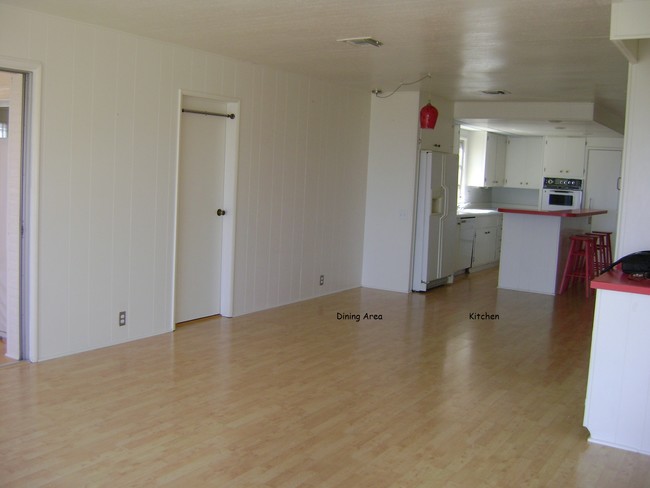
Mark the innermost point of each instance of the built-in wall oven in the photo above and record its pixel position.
(561, 194)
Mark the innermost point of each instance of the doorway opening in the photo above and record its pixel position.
(603, 188)
(16, 119)
(208, 134)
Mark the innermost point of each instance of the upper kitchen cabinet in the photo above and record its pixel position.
(444, 137)
(564, 157)
(524, 161)
(485, 159)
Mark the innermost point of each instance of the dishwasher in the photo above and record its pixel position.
(466, 231)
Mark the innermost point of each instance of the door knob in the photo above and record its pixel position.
(221, 212)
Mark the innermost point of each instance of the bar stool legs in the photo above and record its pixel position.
(606, 238)
(600, 252)
(581, 263)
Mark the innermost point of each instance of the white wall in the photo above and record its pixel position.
(108, 151)
(3, 232)
(390, 197)
(634, 232)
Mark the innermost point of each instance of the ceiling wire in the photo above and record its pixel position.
(378, 93)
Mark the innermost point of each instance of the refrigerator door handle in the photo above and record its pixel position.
(445, 203)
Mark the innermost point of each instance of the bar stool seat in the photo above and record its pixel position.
(581, 262)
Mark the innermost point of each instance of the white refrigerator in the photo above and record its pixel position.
(436, 225)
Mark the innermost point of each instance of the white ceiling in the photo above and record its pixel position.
(538, 50)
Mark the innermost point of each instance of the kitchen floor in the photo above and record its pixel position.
(3, 350)
(462, 386)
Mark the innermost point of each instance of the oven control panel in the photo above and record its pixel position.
(562, 184)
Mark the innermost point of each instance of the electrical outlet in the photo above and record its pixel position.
(122, 319)
(322, 279)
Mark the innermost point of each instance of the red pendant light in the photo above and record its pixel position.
(428, 116)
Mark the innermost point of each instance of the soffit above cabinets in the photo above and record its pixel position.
(581, 119)
(552, 51)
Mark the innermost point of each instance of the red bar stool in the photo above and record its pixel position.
(607, 237)
(580, 262)
(600, 252)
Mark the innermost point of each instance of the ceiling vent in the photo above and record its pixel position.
(495, 92)
(362, 41)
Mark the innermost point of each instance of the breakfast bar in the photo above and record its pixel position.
(535, 245)
(617, 403)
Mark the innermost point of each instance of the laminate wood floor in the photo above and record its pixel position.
(427, 396)
(3, 350)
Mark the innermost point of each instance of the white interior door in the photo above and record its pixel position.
(603, 187)
(200, 197)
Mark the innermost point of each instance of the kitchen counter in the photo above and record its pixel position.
(555, 213)
(616, 280)
(535, 246)
(475, 212)
(617, 403)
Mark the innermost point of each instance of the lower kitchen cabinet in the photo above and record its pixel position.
(466, 235)
(485, 246)
(487, 242)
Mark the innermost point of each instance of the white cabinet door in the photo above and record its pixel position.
(500, 143)
(487, 240)
(485, 246)
(475, 157)
(444, 137)
(564, 157)
(524, 162)
(465, 243)
(440, 139)
(486, 159)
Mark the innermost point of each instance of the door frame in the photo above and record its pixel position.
(30, 169)
(586, 196)
(231, 152)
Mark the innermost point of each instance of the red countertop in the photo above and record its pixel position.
(554, 213)
(616, 280)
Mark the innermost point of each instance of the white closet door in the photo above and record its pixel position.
(199, 233)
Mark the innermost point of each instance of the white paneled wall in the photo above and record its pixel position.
(107, 186)
(633, 232)
(3, 241)
(391, 192)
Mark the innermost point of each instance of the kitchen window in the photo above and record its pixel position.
(462, 188)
